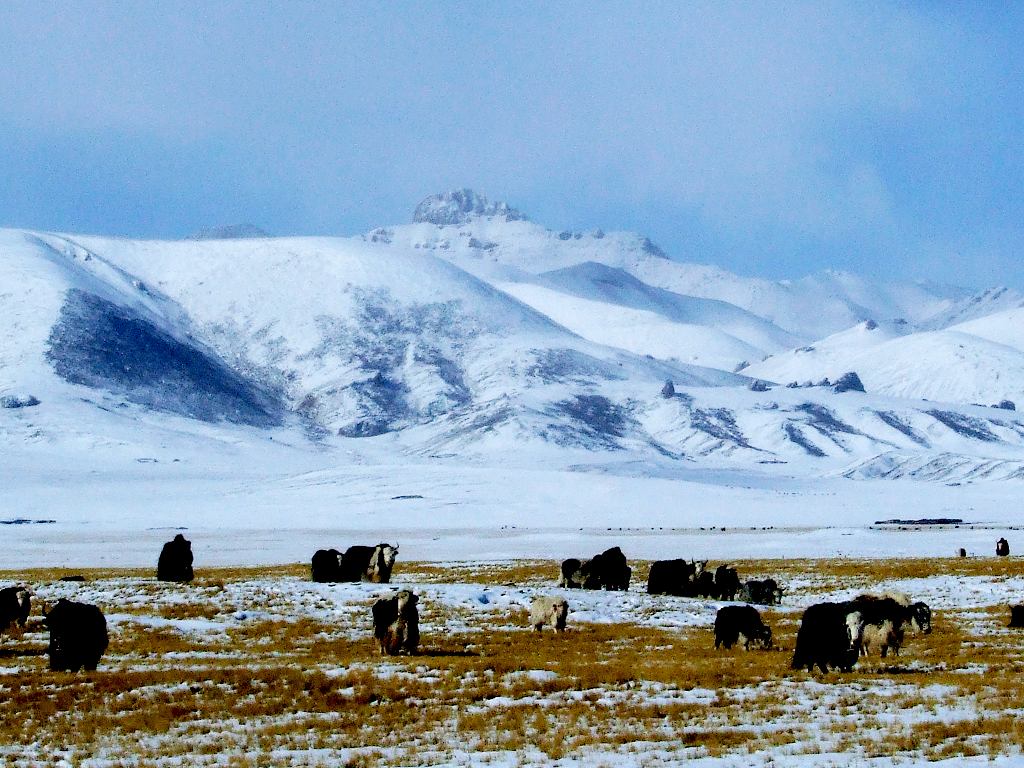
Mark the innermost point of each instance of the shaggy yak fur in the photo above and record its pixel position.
(761, 591)
(549, 610)
(607, 570)
(829, 636)
(727, 583)
(396, 623)
(357, 563)
(78, 636)
(15, 606)
(175, 563)
(741, 624)
(671, 577)
(886, 619)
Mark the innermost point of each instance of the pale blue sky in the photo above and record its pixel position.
(773, 139)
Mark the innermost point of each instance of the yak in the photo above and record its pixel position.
(743, 624)
(15, 606)
(607, 570)
(357, 563)
(829, 636)
(396, 623)
(761, 591)
(549, 610)
(886, 619)
(727, 583)
(78, 636)
(670, 577)
(175, 563)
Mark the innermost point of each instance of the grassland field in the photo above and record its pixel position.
(262, 667)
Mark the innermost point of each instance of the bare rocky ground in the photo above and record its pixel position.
(263, 667)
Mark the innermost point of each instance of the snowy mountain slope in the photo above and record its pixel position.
(609, 306)
(833, 353)
(801, 432)
(229, 232)
(490, 340)
(602, 303)
(1006, 328)
(975, 306)
(615, 286)
(72, 318)
(353, 343)
(487, 244)
(812, 307)
(950, 365)
(637, 330)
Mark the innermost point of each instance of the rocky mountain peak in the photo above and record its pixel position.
(458, 206)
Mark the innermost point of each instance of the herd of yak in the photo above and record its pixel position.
(831, 635)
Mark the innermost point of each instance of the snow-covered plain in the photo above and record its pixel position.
(475, 386)
(250, 512)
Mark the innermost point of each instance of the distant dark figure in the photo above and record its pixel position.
(963, 552)
(396, 623)
(78, 636)
(741, 624)
(727, 582)
(15, 606)
(829, 636)
(1002, 548)
(175, 563)
(1017, 616)
(75, 577)
(326, 566)
(669, 390)
(671, 577)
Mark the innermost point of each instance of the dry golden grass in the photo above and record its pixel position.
(310, 684)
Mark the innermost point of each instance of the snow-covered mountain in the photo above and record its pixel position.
(974, 306)
(497, 243)
(473, 334)
(981, 361)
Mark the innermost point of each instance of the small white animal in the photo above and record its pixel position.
(548, 610)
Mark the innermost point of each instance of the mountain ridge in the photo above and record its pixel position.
(490, 340)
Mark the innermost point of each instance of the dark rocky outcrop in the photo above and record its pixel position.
(848, 382)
